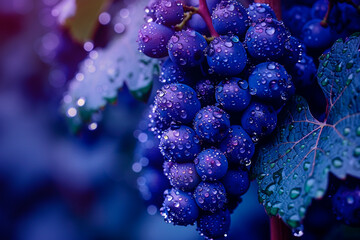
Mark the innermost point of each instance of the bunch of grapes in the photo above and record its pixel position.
(322, 22)
(226, 72)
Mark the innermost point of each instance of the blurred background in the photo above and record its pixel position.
(57, 183)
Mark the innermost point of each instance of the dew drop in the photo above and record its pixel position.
(295, 192)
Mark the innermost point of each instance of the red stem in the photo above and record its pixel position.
(274, 4)
(205, 14)
(324, 22)
(279, 230)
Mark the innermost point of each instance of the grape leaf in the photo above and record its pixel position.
(106, 70)
(293, 168)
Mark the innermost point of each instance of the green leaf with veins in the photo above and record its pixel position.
(293, 169)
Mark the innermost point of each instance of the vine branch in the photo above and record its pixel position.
(278, 229)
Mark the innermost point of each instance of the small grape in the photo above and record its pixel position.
(153, 38)
(260, 11)
(211, 164)
(186, 48)
(304, 72)
(266, 39)
(210, 196)
(230, 16)
(179, 208)
(150, 11)
(236, 182)
(158, 120)
(294, 51)
(270, 82)
(214, 225)
(319, 9)
(296, 18)
(346, 205)
(179, 144)
(197, 23)
(316, 36)
(171, 73)
(259, 120)
(233, 94)
(177, 102)
(350, 17)
(212, 124)
(238, 146)
(182, 176)
(211, 4)
(226, 56)
(169, 12)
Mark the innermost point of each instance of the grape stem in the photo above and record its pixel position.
(324, 22)
(205, 14)
(331, 5)
(279, 230)
(187, 17)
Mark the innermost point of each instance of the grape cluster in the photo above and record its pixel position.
(220, 97)
(307, 22)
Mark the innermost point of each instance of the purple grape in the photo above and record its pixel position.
(238, 146)
(226, 56)
(197, 23)
(230, 16)
(179, 208)
(177, 102)
(171, 73)
(296, 18)
(210, 196)
(346, 205)
(316, 36)
(182, 176)
(186, 48)
(270, 82)
(294, 51)
(169, 12)
(153, 39)
(266, 39)
(211, 124)
(260, 11)
(214, 225)
(259, 120)
(179, 144)
(150, 11)
(211, 4)
(158, 120)
(236, 182)
(304, 73)
(233, 95)
(211, 164)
